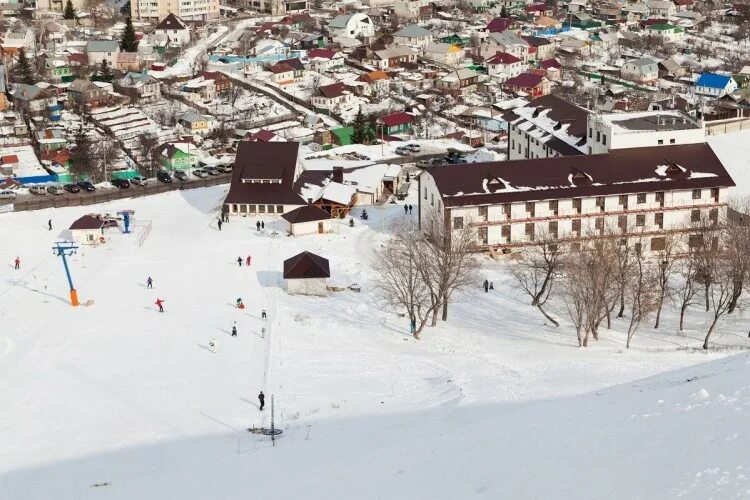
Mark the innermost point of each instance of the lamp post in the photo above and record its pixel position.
(64, 249)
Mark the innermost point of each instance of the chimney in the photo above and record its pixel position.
(338, 174)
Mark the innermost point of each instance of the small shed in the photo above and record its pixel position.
(306, 274)
(308, 220)
(87, 230)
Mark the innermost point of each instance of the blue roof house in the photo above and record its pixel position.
(713, 85)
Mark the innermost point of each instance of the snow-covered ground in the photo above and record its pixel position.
(115, 400)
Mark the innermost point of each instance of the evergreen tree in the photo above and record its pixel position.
(129, 42)
(104, 72)
(25, 71)
(503, 12)
(81, 155)
(70, 12)
(359, 135)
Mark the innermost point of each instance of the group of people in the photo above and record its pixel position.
(488, 286)
(247, 261)
(407, 209)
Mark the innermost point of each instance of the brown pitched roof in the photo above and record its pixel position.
(622, 171)
(306, 265)
(171, 22)
(560, 111)
(87, 222)
(333, 90)
(265, 160)
(308, 213)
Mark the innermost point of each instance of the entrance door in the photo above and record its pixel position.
(320, 227)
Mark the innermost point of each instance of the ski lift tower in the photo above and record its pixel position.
(65, 249)
(126, 215)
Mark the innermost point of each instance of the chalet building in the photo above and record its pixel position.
(643, 193)
(546, 127)
(530, 84)
(392, 57)
(459, 82)
(263, 179)
(330, 97)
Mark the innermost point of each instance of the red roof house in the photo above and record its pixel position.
(531, 84)
(499, 24)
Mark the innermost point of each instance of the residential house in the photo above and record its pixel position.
(199, 89)
(635, 12)
(643, 70)
(531, 84)
(539, 48)
(86, 94)
(222, 83)
(14, 41)
(459, 82)
(503, 66)
(444, 53)
(413, 9)
(177, 156)
(140, 87)
(682, 5)
(505, 42)
(671, 68)
(175, 29)
(322, 60)
(352, 26)
(195, 122)
(539, 9)
(392, 57)
(263, 135)
(395, 123)
(32, 99)
(331, 97)
(715, 85)
(669, 33)
(510, 204)
(414, 35)
(376, 82)
(553, 69)
(57, 69)
(102, 50)
(661, 8)
(127, 61)
(499, 24)
(577, 5)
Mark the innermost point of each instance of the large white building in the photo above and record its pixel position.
(643, 192)
(641, 129)
(187, 10)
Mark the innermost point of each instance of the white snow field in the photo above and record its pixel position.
(115, 400)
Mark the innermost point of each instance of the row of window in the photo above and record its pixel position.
(257, 209)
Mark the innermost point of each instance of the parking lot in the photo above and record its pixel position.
(38, 202)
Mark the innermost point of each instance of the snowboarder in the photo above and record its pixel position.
(492, 287)
(257, 225)
(263, 314)
(406, 209)
(262, 399)
(149, 283)
(18, 263)
(247, 262)
(239, 261)
(219, 224)
(262, 225)
(160, 305)
(49, 224)
(486, 286)
(234, 329)
(212, 345)
(240, 305)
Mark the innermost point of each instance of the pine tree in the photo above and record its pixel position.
(25, 71)
(83, 163)
(104, 72)
(129, 42)
(503, 12)
(70, 12)
(359, 135)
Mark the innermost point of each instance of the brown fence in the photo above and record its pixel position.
(79, 199)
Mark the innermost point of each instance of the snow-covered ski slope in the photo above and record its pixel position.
(118, 401)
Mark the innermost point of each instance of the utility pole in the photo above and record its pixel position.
(64, 249)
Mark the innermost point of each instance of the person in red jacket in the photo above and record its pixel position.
(18, 263)
(247, 262)
(159, 304)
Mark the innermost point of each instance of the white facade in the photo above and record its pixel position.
(312, 227)
(352, 26)
(645, 129)
(176, 36)
(649, 215)
(187, 10)
(409, 8)
(503, 71)
(310, 286)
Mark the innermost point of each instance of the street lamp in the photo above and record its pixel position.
(64, 249)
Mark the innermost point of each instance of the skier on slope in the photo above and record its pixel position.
(234, 329)
(160, 305)
(49, 224)
(219, 224)
(18, 263)
(239, 261)
(247, 262)
(212, 345)
(149, 283)
(262, 399)
(257, 225)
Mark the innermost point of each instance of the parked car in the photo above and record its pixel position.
(403, 151)
(72, 188)
(163, 176)
(225, 169)
(87, 186)
(38, 190)
(199, 172)
(211, 170)
(55, 189)
(139, 181)
(414, 148)
(5, 194)
(120, 183)
(181, 175)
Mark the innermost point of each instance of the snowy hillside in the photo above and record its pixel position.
(115, 400)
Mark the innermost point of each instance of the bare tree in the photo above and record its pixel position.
(736, 247)
(452, 246)
(399, 280)
(537, 269)
(148, 144)
(719, 292)
(663, 272)
(234, 93)
(643, 293)
(687, 286)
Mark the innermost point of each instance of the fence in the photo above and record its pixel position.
(75, 200)
(144, 233)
